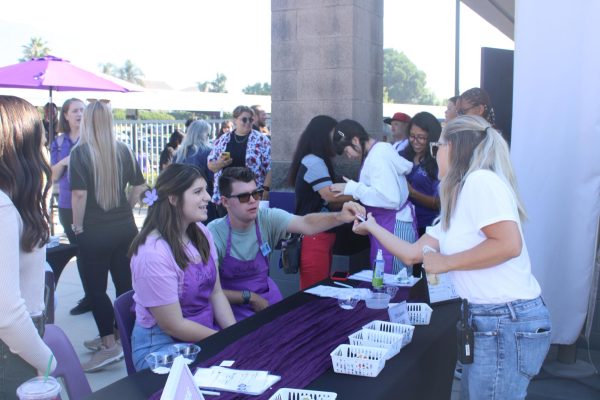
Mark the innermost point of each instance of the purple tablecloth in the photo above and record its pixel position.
(296, 345)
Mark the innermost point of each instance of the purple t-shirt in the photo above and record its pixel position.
(61, 148)
(156, 278)
(422, 183)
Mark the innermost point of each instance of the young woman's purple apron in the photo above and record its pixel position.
(252, 275)
(198, 284)
(387, 219)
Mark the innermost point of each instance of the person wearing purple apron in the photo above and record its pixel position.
(381, 187)
(251, 275)
(178, 295)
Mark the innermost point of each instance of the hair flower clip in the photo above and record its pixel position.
(150, 197)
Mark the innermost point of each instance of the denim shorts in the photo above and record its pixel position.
(147, 340)
(511, 343)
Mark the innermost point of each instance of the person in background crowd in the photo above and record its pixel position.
(399, 123)
(245, 237)
(480, 245)
(476, 101)
(25, 180)
(194, 150)
(60, 149)
(226, 127)
(100, 171)
(243, 147)
(422, 179)
(381, 187)
(166, 156)
(311, 174)
(260, 120)
(451, 108)
(50, 115)
(178, 295)
(189, 121)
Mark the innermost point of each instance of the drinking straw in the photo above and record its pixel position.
(48, 367)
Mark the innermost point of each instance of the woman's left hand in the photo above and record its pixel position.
(338, 188)
(435, 263)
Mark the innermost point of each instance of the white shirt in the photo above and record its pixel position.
(400, 145)
(382, 181)
(21, 289)
(486, 199)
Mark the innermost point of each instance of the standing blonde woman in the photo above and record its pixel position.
(100, 170)
(481, 247)
(24, 186)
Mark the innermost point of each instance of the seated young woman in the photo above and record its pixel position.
(178, 295)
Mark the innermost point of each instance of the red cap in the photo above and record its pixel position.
(397, 117)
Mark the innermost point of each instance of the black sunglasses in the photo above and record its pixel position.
(246, 120)
(245, 197)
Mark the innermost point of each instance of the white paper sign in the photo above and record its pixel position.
(399, 313)
(180, 383)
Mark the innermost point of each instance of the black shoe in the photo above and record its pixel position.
(83, 306)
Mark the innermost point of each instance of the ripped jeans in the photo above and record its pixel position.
(511, 343)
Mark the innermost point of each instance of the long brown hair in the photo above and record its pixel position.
(25, 175)
(166, 218)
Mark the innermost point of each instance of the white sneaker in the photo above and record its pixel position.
(103, 357)
(95, 344)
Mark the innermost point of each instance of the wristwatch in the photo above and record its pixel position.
(246, 296)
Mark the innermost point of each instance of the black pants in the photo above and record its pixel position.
(65, 216)
(103, 248)
(14, 370)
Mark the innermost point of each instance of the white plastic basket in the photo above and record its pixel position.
(301, 394)
(392, 342)
(358, 360)
(392, 327)
(419, 313)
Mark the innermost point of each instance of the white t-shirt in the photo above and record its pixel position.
(486, 199)
(382, 181)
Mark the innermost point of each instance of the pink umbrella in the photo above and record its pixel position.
(54, 73)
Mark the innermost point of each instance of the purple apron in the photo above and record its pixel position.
(198, 284)
(387, 219)
(252, 275)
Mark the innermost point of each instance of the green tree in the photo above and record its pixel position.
(258, 88)
(403, 82)
(109, 69)
(34, 49)
(131, 73)
(215, 86)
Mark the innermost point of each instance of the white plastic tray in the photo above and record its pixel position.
(358, 360)
(392, 342)
(392, 327)
(419, 313)
(301, 394)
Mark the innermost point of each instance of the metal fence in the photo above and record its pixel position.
(148, 138)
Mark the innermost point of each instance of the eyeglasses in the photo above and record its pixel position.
(103, 101)
(420, 139)
(245, 120)
(245, 197)
(434, 147)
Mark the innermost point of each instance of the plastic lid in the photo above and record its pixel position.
(39, 388)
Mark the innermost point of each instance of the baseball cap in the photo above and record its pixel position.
(397, 117)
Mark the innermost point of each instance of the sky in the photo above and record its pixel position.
(182, 42)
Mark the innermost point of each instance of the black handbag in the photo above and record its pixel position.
(290, 254)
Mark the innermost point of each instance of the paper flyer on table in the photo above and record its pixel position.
(336, 292)
(366, 275)
(234, 380)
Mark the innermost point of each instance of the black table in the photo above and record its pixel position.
(423, 370)
(58, 257)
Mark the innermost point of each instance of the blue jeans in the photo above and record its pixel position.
(147, 340)
(511, 343)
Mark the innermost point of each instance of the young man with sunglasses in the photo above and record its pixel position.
(244, 245)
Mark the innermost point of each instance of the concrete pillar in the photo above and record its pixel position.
(326, 58)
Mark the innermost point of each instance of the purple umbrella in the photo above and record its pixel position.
(54, 73)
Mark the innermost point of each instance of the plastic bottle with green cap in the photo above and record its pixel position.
(378, 270)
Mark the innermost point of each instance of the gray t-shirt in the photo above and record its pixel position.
(272, 223)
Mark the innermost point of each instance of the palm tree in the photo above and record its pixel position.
(35, 49)
(131, 73)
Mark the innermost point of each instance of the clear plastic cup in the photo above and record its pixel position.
(378, 301)
(187, 350)
(160, 362)
(348, 302)
(39, 388)
(391, 290)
